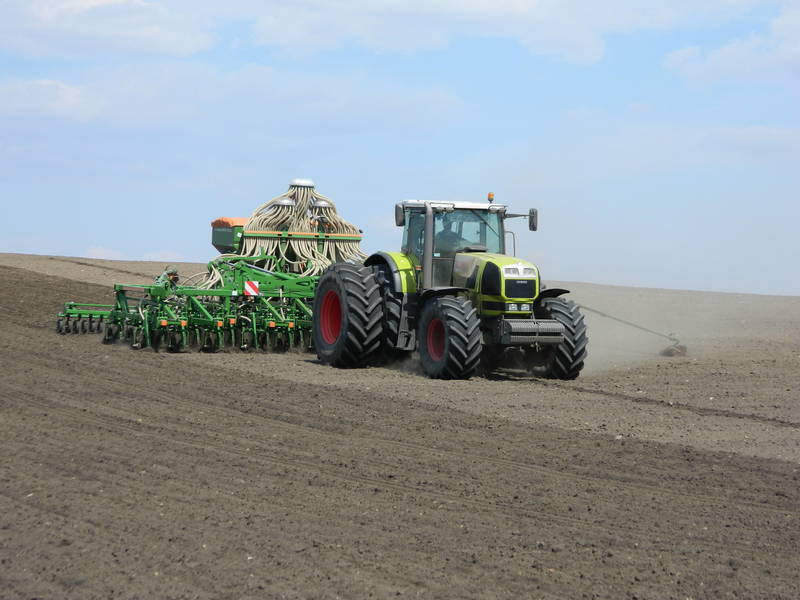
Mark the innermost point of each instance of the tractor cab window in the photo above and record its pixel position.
(414, 235)
(456, 230)
(452, 233)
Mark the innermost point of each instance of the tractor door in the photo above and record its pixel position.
(446, 238)
(444, 244)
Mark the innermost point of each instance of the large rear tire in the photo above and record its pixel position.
(567, 358)
(449, 338)
(348, 316)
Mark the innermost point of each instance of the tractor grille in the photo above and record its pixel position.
(520, 288)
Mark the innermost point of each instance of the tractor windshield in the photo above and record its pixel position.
(454, 231)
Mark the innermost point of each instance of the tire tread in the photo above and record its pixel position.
(570, 355)
(362, 301)
(462, 326)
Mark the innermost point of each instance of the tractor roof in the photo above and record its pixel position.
(465, 205)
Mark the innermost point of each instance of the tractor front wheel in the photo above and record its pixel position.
(565, 360)
(449, 338)
(348, 316)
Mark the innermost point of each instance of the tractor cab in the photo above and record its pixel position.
(449, 229)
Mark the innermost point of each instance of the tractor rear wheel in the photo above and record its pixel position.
(567, 358)
(449, 338)
(348, 316)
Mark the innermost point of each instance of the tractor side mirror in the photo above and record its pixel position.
(533, 219)
(399, 215)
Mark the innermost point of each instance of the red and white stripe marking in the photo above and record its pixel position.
(251, 288)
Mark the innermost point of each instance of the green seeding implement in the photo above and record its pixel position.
(257, 294)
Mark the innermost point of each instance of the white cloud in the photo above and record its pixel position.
(767, 55)
(570, 29)
(573, 30)
(47, 97)
(79, 27)
(629, 153)
(254, 97)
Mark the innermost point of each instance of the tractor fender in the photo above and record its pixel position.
(401, 269)
(549, 293)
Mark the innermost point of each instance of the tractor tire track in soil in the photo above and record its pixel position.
(134, 474)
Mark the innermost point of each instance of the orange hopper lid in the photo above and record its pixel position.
(230, 222)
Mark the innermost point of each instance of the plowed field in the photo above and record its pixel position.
(130, 474)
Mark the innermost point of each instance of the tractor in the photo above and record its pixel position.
(452, 294)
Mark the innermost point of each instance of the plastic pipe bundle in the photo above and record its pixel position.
(299, 210)
(302, 210)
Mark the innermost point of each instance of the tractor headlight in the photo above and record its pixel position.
(517, 307)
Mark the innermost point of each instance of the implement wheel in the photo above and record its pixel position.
(565, 360)
(156, 335)
(137, 338)
(279, 342)
(194, 338)
(175, 341)
(248, 340)
(211, 342)
(348, 316)
(449, 338)
(111, 333)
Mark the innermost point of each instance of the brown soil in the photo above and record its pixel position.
(131, 474)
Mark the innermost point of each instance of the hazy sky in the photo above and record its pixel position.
(659, 140)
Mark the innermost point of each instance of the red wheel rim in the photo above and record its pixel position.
(436, 339)
(331, 317)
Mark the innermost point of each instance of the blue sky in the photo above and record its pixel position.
(660, 142)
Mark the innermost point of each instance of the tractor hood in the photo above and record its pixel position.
(469, 267)
(498, 284)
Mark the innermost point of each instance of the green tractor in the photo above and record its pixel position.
(453, 294)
